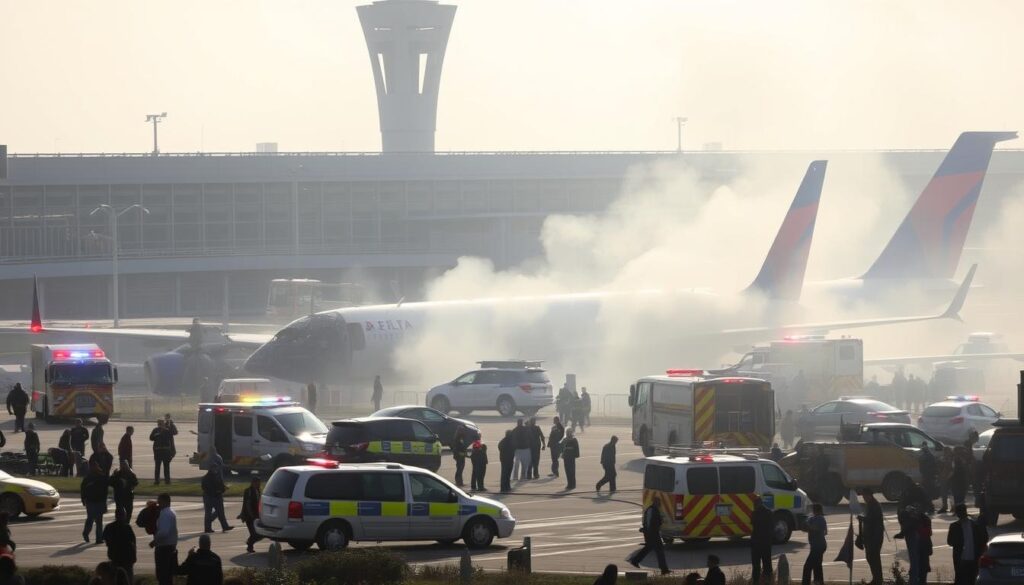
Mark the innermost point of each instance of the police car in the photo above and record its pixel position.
(710, 493)
(953, 419)
(399, 440)
(332, 504)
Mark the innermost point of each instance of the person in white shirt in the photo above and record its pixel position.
(165, 542)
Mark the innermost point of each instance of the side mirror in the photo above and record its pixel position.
(792, 484)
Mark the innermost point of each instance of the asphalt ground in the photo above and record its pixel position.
(577, 531)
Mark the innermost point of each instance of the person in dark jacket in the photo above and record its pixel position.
(958, 482)
(929, 468)
(761, 542)
(872, 532)
(213, 500)
(714, 576)
(161, 437)
(521, 441)
(817, 529)
(478, 457)
(96, 437)
(507, 457)
(537, 444)
(378, 393)
(78, 436)
(251, 511)
(570, 453)
(173, 428)
(120, 539)
(125, 448)
(460, 450)
(17, 404)
(968, 539)
(32, 448)
(102, 457)
(609, 576)
(652, 537)
(776, 453)
(94, 497)
(585, 407)
(202, 566)
(124, 481)
(555, 444)
(608, 464)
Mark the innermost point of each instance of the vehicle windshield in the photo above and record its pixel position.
(393, 411)
(875, 406)
(941, 411)
(300, 423)
(75, 374)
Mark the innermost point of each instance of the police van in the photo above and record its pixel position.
(707, 494)
(259, 434)
(332, 504)
(384, 438)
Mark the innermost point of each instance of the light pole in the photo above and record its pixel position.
(680, 122)
(155, 119)
(114, 216)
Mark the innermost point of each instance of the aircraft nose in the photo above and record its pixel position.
(311, 350)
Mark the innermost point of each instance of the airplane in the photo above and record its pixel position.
(924, 252)
(354, 343)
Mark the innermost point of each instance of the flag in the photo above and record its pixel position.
(854, 503)
(846, 553)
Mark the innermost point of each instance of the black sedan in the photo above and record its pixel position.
(441, 424)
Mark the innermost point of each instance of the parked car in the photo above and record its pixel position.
(982, 445)
(1003, 562)
(506, 386)
(824, 419)
(953, 419)
(440, 424)
(1004, 472)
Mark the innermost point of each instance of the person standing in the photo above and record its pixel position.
(64, 451)
(202, 566)
(521, 441)
(478, 457)
(121, 547)
(103, 458)
(555, 445)
(378, 393)
(714, 576)
(788, 430)
(570, 453)
(213, 500)
(817, 529)
(17, 404)
(161, 437)
(651, 528)
(124, 481)
(251, 511)
(97, 436)
(506, 456)
(608, 464)
(968, 539)
(94, 497)
(173, 430)
(563, 402)
(165, 541)
(459, 454)
(584, 408)
(32, 448)
(537, 444)
(872, 532)
(78, 436)
(576, 411)
(960, 478)
(124, 447)
(924, 550)
(311, 397)
(761, 542)
(944, 477)
(929, 469)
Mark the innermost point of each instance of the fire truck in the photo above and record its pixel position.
(691, 408)
(72, 380)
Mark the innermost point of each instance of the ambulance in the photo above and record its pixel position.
(710, 493)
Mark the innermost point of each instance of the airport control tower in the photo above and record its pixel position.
(406, 40)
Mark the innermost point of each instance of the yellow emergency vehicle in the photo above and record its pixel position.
(708, 494)
(384, 438)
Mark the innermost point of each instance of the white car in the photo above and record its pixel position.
(332, 504)
(952, 420)
(509, 387)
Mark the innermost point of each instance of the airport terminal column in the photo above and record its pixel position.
(114, 216)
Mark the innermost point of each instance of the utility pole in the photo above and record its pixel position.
(680, 122)
(155, 119)
(114, 215)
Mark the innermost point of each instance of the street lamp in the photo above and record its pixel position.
(114, 216)
(680, 122)
(155, 119)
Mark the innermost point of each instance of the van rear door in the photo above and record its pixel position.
(700, 511)
(738, 484)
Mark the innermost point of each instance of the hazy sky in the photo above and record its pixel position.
(523, 74)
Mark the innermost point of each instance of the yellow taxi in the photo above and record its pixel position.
(22, 495)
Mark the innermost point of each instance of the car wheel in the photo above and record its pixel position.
(478, 533)
(782, 528)
(11, 505)
(645, 443)
(300, 544)
(333, 536)
(892, 486)
(506, 407)
(441, 404)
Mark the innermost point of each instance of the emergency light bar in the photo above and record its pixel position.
(684, 373)
(965, 398)
(63, 354)
(256, 399)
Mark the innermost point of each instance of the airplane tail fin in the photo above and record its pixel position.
(782, 274)
(931, 238)
(37, 320)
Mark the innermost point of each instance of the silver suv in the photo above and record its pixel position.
(507, 387)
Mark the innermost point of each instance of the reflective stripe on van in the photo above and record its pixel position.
(396, 509)
(405, 447)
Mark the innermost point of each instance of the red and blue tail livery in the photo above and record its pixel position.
(931, 238)
(782, 274)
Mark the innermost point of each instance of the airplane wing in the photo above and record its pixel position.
(951, 312)
(144, 336)
(953, 357)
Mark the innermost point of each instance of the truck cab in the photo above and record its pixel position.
(72, 380)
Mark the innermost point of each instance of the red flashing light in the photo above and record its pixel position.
(220, 409)
(702, 458)
(684, 373)
(325, 463)
(98, 353)
(35, 328)
(60, 354)
(295, 510)
(526, 388)
(732, 380)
